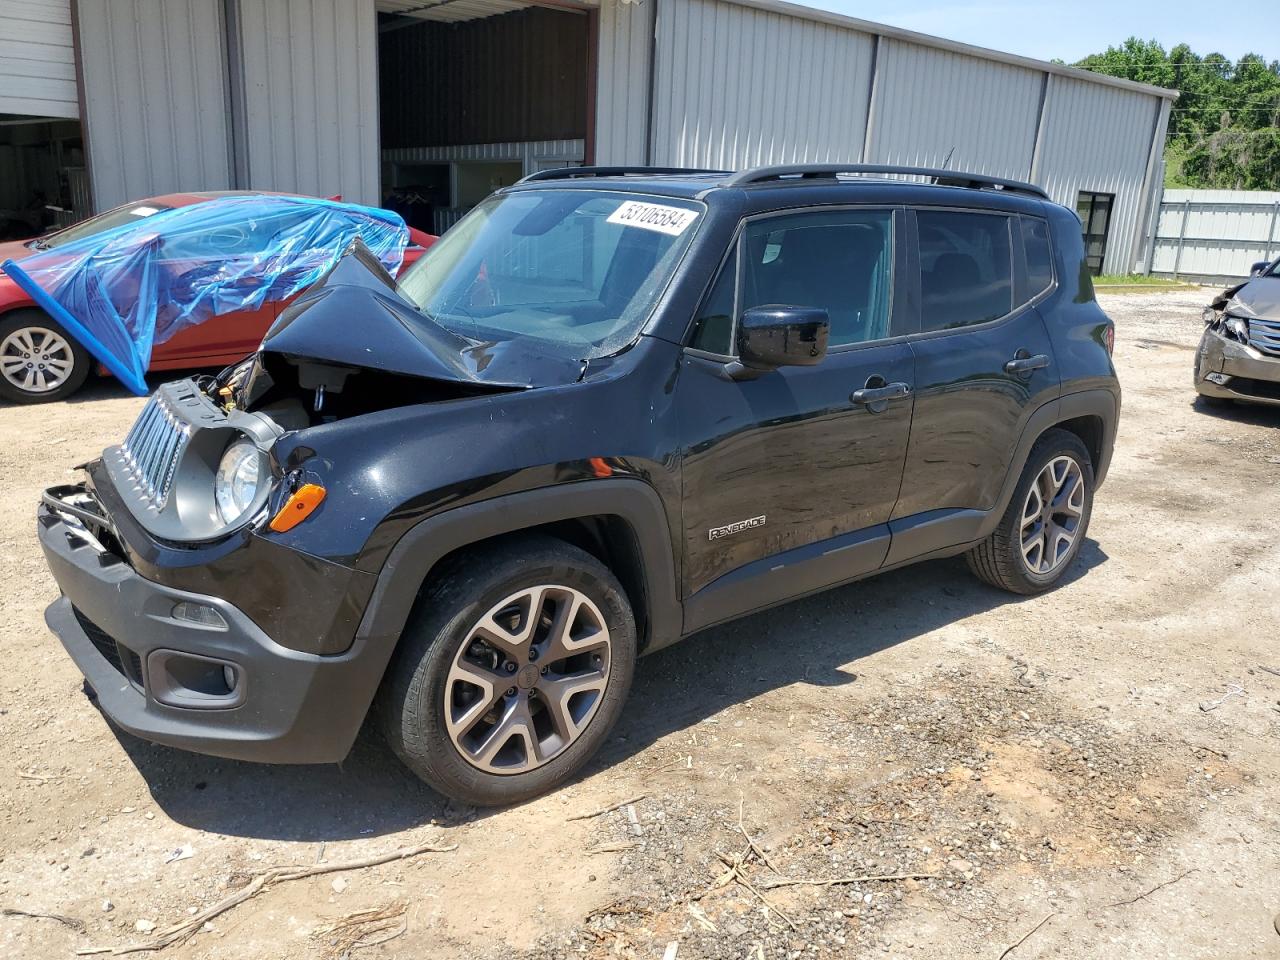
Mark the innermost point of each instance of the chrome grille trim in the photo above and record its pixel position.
(153, 448)
(1264, 335)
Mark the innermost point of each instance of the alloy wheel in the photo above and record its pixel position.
(1051, 515)
(528, 679)
(36, 359)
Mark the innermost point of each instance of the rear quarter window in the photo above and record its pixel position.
(1039, 254)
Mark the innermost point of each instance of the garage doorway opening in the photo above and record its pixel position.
(475, 94)
(43, 185)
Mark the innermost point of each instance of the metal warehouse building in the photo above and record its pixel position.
(428, 105)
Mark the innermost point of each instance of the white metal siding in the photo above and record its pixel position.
(622, 91)
(310, 96)
(737, 87)
(155, 97)
(37, 59)
(1098, 138)
(1216, 234)
(933, 103)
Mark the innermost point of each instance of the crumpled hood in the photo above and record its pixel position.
(1258, 298)
(355, 317)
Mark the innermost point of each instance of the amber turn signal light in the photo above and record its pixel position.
(298, 507)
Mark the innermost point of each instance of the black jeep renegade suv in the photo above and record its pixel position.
(608, 409)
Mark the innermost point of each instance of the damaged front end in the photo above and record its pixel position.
(1239, 353)
(352, 346)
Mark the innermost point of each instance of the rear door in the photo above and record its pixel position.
(788, 479)
(983, 362)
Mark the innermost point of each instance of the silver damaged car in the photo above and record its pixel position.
(1239, 354)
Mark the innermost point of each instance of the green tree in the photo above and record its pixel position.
(1224, 128)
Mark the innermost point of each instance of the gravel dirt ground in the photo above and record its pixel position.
(1091, 773)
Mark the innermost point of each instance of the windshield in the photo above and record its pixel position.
(579, 270)
(118, 217)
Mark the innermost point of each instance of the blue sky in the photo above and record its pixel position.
(1071, 30)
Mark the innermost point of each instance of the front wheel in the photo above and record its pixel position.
(1045, 523)
(39, 361)
(513, 669)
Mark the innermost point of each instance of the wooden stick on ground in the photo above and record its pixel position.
(1158, 886)
(603, 810)
(1025, 937)
(181, 932)
(770, 884)
(76, 925)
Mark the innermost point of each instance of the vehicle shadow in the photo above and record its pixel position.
(1252, 414)
(806, 641)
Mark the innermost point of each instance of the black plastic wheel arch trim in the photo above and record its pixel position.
(424, 545)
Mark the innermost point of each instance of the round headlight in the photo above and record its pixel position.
(241, 474)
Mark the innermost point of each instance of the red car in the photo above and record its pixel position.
(39, 361)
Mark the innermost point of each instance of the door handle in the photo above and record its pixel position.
(1023, 364)
(871, 395)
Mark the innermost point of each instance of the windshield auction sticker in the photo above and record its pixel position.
(654, 216)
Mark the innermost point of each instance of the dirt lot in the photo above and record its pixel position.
(1097, 768)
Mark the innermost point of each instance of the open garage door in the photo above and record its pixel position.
(42, 175)
(473, 95)
(37, 59)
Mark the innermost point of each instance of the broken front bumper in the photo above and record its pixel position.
(1230, 370)
(215, 684)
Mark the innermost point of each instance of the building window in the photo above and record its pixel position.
(1094, 210)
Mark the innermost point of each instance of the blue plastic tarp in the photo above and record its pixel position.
(124, 290)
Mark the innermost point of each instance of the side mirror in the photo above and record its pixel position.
(1259, 268)
(782, 336)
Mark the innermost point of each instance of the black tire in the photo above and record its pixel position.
(411, 703)
(998, 560)
(31, 318)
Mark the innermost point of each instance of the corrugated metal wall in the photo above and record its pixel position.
(309, 96)
(745, 82)
(155, 90)
(735, 86)
(1216, 235)
(622, 91)
(1099, 138)
(516, 76)
(933, 104)
(37, 59)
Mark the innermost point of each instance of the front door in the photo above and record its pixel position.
(789, 478)
(983, 365)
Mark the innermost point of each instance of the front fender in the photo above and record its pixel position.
(636, 503)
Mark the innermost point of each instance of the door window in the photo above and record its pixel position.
(840, 261)
(1094, 210)
(966, 268)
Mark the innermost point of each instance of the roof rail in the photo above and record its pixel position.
(950, 178)
(573, 173)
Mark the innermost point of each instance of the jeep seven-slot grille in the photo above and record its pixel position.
(127, 663)
(152, 450)
(1264, 335)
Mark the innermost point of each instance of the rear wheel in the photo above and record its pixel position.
(511, 672)
(39, 360)
(1045, 523)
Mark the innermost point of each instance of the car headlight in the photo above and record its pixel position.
(241, 473)
(1238, 328)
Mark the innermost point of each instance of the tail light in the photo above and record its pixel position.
(1109, 338)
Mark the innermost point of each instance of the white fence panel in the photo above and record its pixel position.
(1215, 235)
